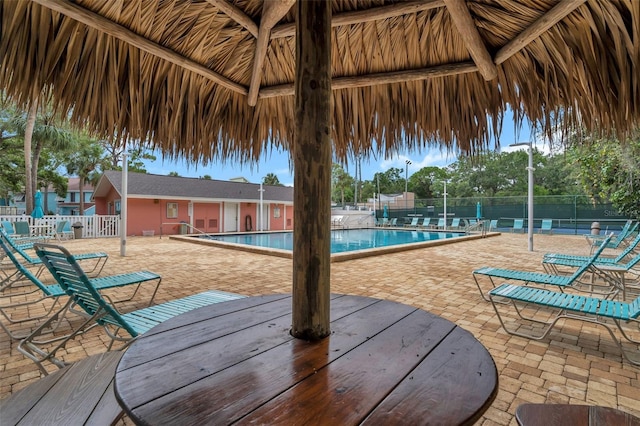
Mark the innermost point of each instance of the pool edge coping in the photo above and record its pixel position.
(337, 257)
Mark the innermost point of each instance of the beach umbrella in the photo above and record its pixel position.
(478, 211)
(325, 80)
(385, 211)
(38, 209)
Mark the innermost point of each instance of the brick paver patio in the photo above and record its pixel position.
(577, 364)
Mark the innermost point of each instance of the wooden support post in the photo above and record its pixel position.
(312, 164)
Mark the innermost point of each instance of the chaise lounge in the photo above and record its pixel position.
(610, 314)
(123, 327)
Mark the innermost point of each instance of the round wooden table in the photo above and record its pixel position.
(384, 362)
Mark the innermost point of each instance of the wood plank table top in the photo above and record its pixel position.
(78, 394)
(235, 362)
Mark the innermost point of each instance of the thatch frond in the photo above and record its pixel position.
(178, 73)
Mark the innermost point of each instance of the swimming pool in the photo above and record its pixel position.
(345, 243)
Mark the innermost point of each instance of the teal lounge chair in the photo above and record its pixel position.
(518, 225)
(551, 261)
(119, 326)
(455, 223)
(25, 241)
(99, 258)
(22, 228)
(440, 224)
(493, 225)
(8, 227)
(425, 222)
(35, 292)
(620, 240)
(414, 223)
(63, 230)
(608, 313)
(546, 226)
(560, 281)
(610, 270)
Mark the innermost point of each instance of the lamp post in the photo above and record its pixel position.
(124, 193)
(406, 184)
(261, 220)
(444, 228)
(530, 190)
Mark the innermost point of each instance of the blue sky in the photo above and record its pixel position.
(278, 162)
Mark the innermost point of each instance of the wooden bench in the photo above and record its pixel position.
(80, 393)
(570, 415)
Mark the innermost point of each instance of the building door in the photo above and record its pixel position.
(264, 219)
(230, 217)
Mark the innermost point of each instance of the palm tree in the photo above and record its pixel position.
(38, 131)
(87, 161)
(271, 179)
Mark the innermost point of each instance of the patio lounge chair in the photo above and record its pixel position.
(493, 225)
(22, 228)
(607, 313)
(455, 223)
(413, 224)
(122, 327)
(518, 225)
(8, 227)
(560, 281)
(63, 230)
(619, 240)
(24, 241)
(546, 226)
(425, 223)
(551, 261)
(440, 224)
(99, 258)
(36, 292)
(613, 273)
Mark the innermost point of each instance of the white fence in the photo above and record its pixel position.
(92, 226)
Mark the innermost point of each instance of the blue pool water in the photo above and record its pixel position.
(342, 240)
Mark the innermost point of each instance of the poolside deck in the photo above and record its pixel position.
(578, 364)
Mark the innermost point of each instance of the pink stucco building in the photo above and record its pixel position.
(163, 203)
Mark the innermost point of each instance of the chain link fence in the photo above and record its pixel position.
(570, 214)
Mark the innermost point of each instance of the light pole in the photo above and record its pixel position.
(530, 190)
(124, 193)
(260, 221)
(406, 185)
(444, 228)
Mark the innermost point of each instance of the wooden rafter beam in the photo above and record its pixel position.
(106, 26)
(272, 12)
(379, 78)
(348, 18)
(546, 21)
(463, 21)
(237, 15)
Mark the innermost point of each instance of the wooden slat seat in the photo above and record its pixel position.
(79, 394)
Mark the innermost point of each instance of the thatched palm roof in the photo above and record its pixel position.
(209, 79)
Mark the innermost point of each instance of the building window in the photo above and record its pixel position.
(117, 203)
(276, 212)
(172, 210)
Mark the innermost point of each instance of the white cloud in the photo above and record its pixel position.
(434, 157)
